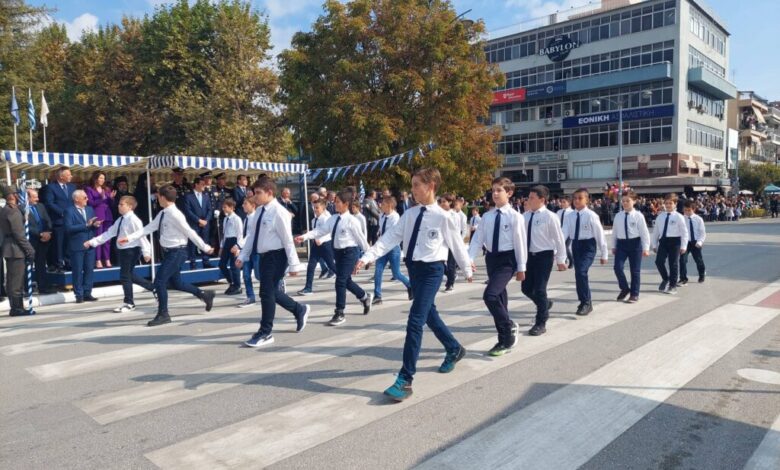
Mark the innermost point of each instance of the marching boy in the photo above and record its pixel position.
(321, 249)
(130, 253)
(502, 232)
(564, 212)
(428, 233)
(584, 230)
(630, 240)
(696, 236)
(232, 233)
(174, 233)
(348, 237)
(386, 222)
(670, 240)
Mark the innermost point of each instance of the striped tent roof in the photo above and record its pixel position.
(225, 164)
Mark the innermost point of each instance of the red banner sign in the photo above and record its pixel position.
(509, 96)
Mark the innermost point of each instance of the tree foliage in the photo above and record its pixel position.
(377, 77)
(757, 177)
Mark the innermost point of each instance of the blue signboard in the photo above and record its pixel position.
(612, 117)
(540, 92)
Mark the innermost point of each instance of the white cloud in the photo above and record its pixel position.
(532, 9)
(82, 23)
(282, 8)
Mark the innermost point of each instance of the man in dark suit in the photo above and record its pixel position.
(80, 225)
(40, 238)
(57, 199)
(403, 203)
(239, 194)
(17, 251)
(198, 211)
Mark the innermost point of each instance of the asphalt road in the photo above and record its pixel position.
(688, 381)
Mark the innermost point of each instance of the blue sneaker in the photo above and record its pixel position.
(450, 359)
(301, 319)
(400, 390)
(257, 340)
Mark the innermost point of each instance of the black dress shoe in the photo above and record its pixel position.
(410, 293)
(89, 298)
(701, 278)
(537, 330)
(623, 294)
(584, 309)
(79, 300)
(208, 298)
(159, 320)
(549, 304)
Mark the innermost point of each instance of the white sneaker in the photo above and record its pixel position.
(124, 308)
(246, 303)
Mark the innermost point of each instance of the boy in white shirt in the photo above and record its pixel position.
(669, 240)
(387, 221)
(251, 265)
(447, 202)
(233, 232)
(130, 253)
(321, 251)
(630, 240)
(354, 209)
(348, 239)
(502, 232)
(428, 233)
(564, 212)
(174, 231)
(584, 229)
(474, 222)
(696, 236)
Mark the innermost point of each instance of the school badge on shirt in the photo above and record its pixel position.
(433, 234)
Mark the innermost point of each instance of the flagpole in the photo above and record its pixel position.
(29, 100)
(16, 143)
(44, 118)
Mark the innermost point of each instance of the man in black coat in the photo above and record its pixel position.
(17, 251)
(40, 239)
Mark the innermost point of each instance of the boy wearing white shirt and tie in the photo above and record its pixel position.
(696, 236)
(630, 240)
(232, 233)
(502, 232)
(428, 233)
(546, 244)
(130, 253)
(174, 233)
(586, 234)
(321, 250)
(348, 237)
(252, 265)
(270, 235)
(669, 240)
(564, 212)
(387, 221)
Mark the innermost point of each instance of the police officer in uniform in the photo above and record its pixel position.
(181, 185)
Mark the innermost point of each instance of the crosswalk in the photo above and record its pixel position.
(565, 428)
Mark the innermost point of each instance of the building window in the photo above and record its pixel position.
(698, 59)
(704, 136)
(712, 35)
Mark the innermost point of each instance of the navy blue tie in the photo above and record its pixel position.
(413, 239)
(563, 217)
(690, 224)
(159, 224)
(530, 226)
(496, 229)
(257, 232)
(577, 228)
(666, 226)
(384, 225)
(625, 222)
(333, 232)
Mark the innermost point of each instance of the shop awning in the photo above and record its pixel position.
(759, 115)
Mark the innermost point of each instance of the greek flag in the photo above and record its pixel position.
(362, 192)
(15, 108)
(30, 110)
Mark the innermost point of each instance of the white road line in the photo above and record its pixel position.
(570, 426)
(756, 297)
(268, 438)
(150, 396)
(767, 454)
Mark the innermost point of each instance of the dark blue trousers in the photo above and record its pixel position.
(537, 274)
(426, 280)
(227, 263)
(501, 267)
(128, 259)
(695, 252)
(319, 255)
(584, 252)
(169, 274)
(82, 264)
(630, 250)
(668, 248)
(273, 265)
(345, 264)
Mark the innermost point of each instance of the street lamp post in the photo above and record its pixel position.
(620, 106)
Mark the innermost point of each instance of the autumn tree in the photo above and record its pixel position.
(377, 77)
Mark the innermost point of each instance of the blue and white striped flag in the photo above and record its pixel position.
(30, 110)
(15, 108)
(362, 192)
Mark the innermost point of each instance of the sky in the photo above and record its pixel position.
(754, 63)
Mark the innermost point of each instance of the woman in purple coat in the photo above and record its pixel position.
(100, 197)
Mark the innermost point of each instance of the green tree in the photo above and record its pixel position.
(377, 77)
(756, 177)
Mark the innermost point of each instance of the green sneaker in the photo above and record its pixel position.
(400, 390)
(499, 350)
(450, 359)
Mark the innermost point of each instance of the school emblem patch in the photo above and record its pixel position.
(433, 234)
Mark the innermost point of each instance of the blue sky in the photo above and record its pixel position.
(754, 44)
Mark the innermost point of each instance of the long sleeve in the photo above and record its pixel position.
(360, 237)
(107, 235)
(556, 235)
(149, 229)
(322, 229)
(616, 223)
(246, 244)
(74, 225)
(477, 241)
(684, 236)
(389, 240)
(16, 221)
(452, 238)
(702, 230)
(598, 234)
(284, 231)
(657, 231)
(519, 242)
(644, 234)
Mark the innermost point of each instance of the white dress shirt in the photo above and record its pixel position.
(363, 224)
(563, 215)
(388, 221)
(250, 219)
(129, 223)
(275, 234)
(317, 221)
(675, 228)
(233, 227)
(546, 234)
(699, 232)
(349, 232)
(590, 228)
(475, 220)
(511, 235)
(637, 228)
(463, 223)
(174, 232)
(438, 234)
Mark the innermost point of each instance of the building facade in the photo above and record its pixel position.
(757, 122)
(660, 64)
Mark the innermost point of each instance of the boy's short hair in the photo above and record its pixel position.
(429, 176)
(630, 194)
(564, 198)
(690, 205)
(230, 202)
(346, 196)
(265, 184)
(251, 201)
(671, 196)
(541, 191)
(320, 203)
(582, 191)
(505, 183)
(475, 208)
(355, 205)
(168, 192)
(390, 200)
(129, 200)
(449, 197)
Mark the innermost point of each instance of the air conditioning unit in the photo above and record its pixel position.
(569, 113)
(505, 127)
(561, 176)
(549, 121)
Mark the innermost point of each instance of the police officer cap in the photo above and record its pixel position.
(205, 174)
(178, 170)
(220, 175)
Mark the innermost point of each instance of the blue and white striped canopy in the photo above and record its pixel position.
(225, 164)
(52, 159)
